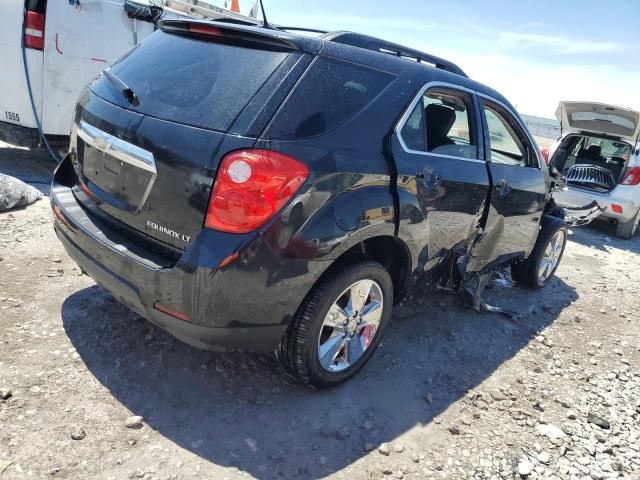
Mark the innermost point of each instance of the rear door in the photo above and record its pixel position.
(442, 179)
(519, 189)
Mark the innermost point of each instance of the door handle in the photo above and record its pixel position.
(503, 188)
(428, 177)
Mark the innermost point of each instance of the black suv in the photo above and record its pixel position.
(269, 191)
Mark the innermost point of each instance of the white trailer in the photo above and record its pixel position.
(67, 44)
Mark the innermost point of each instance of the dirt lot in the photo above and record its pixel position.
(553, 394)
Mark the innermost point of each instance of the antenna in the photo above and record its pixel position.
(265, 22)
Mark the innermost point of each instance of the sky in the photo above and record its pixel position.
(534, 52)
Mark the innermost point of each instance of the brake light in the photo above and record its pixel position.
(251, 187)
(616, 208)
(631, 177)
(204, 29)
(34, 30)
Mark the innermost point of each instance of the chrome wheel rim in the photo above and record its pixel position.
(551, 256)
(350, 326)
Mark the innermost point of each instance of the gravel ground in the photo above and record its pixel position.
(90, 390)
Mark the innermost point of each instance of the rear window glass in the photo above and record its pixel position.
(330, 93)
(191, 81)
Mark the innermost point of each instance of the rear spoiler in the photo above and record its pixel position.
(247, 35)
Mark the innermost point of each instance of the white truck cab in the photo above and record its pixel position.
(67, 44)
(599, 155)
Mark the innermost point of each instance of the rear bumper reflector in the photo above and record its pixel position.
(173, 313)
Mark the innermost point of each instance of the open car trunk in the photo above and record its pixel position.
(592, 162)
(599, 119)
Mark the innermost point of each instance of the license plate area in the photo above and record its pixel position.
(122, 171)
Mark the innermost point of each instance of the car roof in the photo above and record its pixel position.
(430, 69)
(369, 51)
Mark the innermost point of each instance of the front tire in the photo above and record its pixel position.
(339, 325)
(536, 271)
(629, 228)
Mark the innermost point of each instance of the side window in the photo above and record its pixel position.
(440, 122)
(331, 92)
(507, 146)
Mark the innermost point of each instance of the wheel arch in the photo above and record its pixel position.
(390, 251)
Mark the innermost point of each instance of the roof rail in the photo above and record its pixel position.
(379, 45)
(300, 29)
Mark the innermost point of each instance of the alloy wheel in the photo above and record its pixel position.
(551, 256)
(350, 325)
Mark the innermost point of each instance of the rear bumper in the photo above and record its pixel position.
(255, 338)
(246, 305)
(627, 197)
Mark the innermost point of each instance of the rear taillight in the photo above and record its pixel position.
(631, 177)
(251, 187)
(34, 30)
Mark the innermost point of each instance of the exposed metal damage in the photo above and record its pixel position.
(466, 272)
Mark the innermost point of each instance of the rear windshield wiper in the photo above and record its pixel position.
(123, 87)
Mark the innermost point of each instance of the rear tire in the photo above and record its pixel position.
(536, 271)
(314, 330)
(628, 229)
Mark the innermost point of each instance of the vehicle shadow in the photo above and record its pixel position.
(32, 166)
(239, 410)
(602, 236)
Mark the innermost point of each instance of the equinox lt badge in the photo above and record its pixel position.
(168, 231)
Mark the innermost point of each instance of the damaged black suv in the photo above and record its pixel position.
(273, 192)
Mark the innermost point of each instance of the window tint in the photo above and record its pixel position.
(506, 147)
(187, 80)
(440, 123)
(330, 93)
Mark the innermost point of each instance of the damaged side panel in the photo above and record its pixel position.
(441, 204)
(461, 215)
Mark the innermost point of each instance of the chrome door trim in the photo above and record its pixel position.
(116, 147)
(123, 151)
